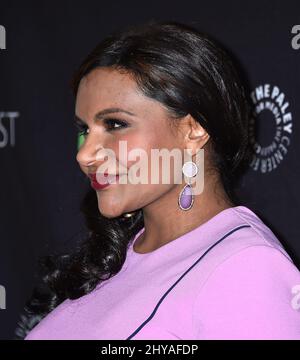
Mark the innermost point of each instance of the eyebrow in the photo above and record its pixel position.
(100, 114)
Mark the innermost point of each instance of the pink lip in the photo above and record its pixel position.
(104, 180)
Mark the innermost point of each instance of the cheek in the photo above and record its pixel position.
(161, 167)
(139, 153)
(131, 148)
(136, 149)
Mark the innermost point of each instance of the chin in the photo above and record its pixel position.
(109, 210)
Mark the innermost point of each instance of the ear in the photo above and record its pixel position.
(194, 135)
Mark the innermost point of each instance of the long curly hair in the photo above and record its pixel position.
(189, 73)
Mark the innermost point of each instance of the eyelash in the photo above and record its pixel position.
(82, 128)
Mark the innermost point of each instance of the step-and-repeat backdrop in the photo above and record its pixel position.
(41, 185)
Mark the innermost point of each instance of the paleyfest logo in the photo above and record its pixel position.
(8, 128)
(269, 100)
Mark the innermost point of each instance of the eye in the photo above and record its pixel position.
(81, 127)
(111, 122)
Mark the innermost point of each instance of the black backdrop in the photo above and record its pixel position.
(41, 183)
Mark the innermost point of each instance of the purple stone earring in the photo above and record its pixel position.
(186, 196)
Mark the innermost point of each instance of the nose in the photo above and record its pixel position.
(87, 153)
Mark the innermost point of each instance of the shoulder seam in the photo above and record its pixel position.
(254, 229)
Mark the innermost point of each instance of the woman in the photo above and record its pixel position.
(165, 260)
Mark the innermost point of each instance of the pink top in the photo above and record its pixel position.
(229, 278)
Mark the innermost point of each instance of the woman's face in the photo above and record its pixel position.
(146, 128)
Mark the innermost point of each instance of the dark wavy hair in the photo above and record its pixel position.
(189, 73)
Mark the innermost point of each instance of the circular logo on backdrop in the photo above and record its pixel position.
(270, 127)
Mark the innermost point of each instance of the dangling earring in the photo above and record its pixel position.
(186, 196)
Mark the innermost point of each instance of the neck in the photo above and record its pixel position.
(164, 221)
